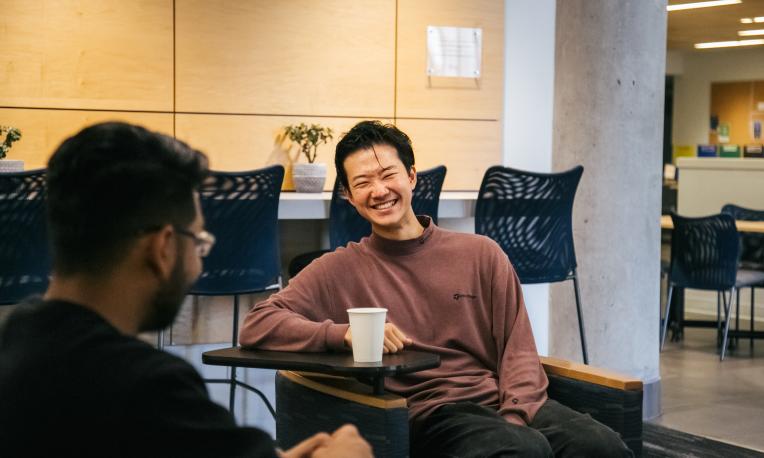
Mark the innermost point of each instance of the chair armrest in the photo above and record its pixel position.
(589, 374)
(308, 403)
(612, 399)
(345, 388)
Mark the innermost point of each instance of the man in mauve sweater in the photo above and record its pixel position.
(447, 293)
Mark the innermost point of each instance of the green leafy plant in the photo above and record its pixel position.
(12, 134)
(308, 137)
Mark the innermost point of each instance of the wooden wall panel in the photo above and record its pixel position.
(456, 98)
(333, 57)
(43, 130)
(466, 148)
(94, 54)
(235, 142)
(735, 104)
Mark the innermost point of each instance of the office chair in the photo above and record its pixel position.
(24, 254)
(529, 215)
(704, 255)
(751, 255)
(241, 210)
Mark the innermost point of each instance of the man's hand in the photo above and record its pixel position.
(306, 448)
(395, 339)
(344, 443)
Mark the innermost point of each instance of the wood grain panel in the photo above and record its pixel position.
(333, 57)
(458, 98)
(238, 142)
(43, 130)
(92, 54)
(466, 148)
(735, 105)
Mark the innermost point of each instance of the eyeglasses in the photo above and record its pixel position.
(203, 240)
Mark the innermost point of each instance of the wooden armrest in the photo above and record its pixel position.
(345, 388)
(590, 374)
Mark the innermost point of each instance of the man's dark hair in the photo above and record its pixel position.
(109, 183)
(365, 135)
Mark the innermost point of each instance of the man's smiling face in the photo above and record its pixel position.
(380, 188)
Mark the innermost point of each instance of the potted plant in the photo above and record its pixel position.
(11, 134)
(309, 177)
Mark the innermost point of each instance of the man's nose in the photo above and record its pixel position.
(378, 189)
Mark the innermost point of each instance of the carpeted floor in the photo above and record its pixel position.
(659, 441)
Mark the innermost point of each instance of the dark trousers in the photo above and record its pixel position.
(468, 430)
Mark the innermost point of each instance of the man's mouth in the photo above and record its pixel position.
(384, 205)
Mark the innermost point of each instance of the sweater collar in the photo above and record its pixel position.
(404, 247)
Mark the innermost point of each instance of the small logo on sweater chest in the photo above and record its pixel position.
(458, 296)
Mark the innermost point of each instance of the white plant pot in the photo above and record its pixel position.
(309, 177)
(11, 165)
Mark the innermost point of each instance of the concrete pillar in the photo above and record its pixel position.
(608, 117)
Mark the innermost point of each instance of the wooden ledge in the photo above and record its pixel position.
(590, 374)
(345, 388)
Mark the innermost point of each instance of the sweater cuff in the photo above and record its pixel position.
(335, 336)
(514, 419)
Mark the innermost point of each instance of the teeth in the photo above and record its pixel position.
(384, 206)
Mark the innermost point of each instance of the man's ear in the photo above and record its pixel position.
(412, 177)
(346, 194)
(160, 251)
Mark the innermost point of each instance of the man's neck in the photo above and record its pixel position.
(107, 296)
(410, 228)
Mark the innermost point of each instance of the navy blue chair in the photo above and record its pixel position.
(751, 255)
(24, 254)
(530, 216)
(346, 225)
(704, 255)
(241, 211)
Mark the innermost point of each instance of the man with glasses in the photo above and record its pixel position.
(127, 237)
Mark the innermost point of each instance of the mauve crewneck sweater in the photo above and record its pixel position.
(454, 294)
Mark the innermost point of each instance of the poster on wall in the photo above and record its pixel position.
(454, 51)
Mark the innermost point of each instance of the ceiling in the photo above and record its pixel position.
(721, 23)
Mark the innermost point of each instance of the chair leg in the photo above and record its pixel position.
(737, 316)
(159, 339)
(753, 306)
(719, 321)
(580, 318)
(666, 315)
(234, 343)
(727, 316)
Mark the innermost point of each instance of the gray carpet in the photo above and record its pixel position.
(659, 441)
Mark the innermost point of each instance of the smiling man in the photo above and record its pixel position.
(448, 293)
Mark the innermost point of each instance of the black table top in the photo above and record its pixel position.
(403, 362)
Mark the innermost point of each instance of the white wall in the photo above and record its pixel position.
(694, 72)
(529, 49)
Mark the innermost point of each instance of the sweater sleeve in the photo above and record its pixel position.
(522, 381)
(301, 317)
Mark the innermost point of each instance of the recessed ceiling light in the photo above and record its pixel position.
(750, 33)
(727, 44)
(746, 20)
(707, 4)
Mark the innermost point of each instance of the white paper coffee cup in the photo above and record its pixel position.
(367, 327)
